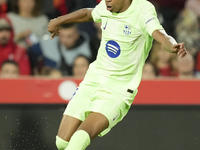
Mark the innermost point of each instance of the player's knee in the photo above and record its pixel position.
(60, 143)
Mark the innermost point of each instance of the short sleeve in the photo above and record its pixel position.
(97, 11)
(148, 20)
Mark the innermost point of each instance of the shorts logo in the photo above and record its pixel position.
(127, 30)
(113, 49)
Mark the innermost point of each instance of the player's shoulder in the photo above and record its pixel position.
(101, 6)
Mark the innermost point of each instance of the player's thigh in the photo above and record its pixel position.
(111, 108)
(75, 112)
(94, 124)
(68, 126)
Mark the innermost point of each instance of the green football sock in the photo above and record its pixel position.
(79, 141)
(60, 143)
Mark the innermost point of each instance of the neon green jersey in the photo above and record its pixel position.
(125, 45)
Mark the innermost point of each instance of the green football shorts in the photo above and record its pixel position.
(94, 98)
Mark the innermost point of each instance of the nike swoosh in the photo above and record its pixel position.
(105, 25)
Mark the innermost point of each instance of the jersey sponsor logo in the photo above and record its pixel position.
(127, 30)
(113, 49)
(105, 25)
(150, 20)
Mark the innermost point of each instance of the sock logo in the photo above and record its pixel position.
(113, 49)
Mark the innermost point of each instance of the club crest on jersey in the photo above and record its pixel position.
(113, 49)
(127, 30)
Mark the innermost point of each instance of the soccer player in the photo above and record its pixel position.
(110, 85)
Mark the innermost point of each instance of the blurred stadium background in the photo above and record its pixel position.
(37, 79)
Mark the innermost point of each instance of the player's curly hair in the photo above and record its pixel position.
(36, 11)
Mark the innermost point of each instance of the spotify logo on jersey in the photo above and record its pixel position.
(113, 49)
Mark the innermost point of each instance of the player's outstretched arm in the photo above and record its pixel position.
(169, 43)
(82, 15)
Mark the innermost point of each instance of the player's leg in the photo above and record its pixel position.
(67, 128)
(73, 116)
(105, 111)
(93, 125)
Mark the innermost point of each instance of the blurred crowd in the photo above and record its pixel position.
(26, 47)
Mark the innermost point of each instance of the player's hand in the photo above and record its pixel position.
(180, 49)
(54, 27)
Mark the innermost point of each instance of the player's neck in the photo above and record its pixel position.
(126, 5)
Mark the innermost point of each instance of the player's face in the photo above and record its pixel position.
(117, 6)
(4, 37)
(9, 71)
